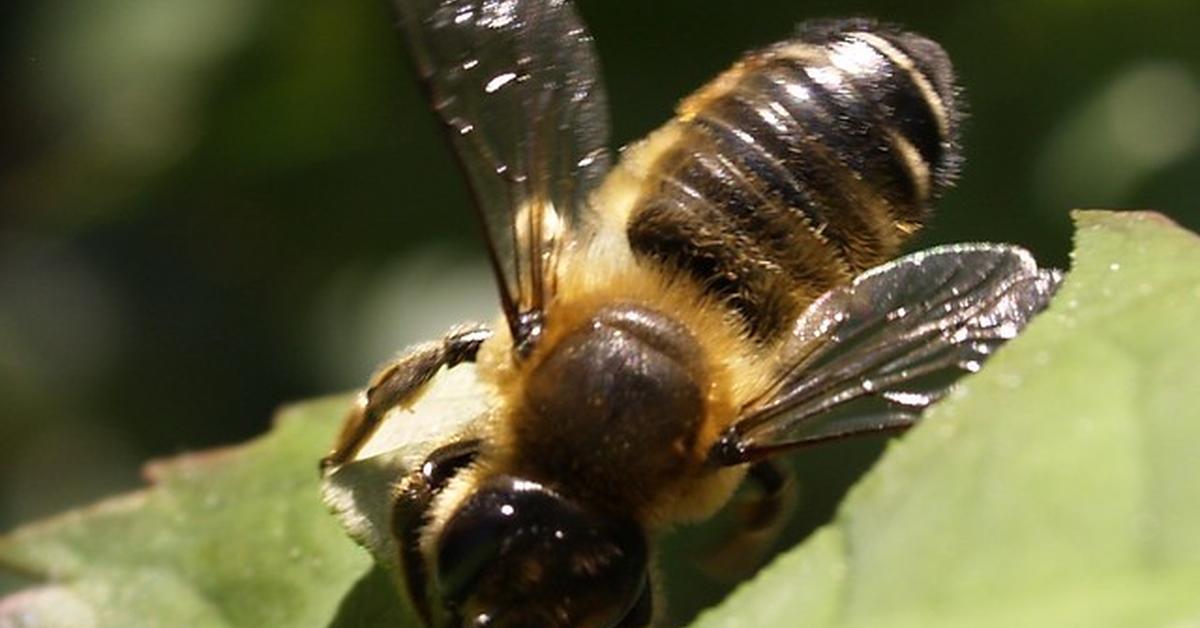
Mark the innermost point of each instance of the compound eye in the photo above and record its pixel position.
(518, 554)
(472, 539)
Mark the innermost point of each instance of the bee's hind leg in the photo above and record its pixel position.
(757, 521)
(398, 382)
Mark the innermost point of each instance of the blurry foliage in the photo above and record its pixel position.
(209, 208)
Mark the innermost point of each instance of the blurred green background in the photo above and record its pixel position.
(209, 208)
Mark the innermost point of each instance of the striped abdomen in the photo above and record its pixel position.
(800, 167)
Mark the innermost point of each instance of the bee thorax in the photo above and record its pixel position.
(612, 411)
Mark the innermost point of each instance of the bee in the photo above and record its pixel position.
(671, 323)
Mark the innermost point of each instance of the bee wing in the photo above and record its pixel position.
(898, 333)
(517, 87)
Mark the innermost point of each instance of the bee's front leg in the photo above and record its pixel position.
(398, 383)
(410, 514)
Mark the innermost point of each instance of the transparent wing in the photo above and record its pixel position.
(899, 333)
(517, 86)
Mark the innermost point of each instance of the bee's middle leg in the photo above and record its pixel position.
(758, 520)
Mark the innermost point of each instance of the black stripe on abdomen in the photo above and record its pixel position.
(804, 165)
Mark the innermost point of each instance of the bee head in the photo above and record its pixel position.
(516, 553)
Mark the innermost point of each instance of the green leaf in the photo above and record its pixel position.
(1058, 487)
(233, 537)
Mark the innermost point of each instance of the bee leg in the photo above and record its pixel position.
(758, 520)
(644, 611)
(399, 383)
(410, 514)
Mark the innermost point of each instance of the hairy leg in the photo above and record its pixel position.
(399, 383)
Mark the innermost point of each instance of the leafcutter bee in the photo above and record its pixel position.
(671, 322)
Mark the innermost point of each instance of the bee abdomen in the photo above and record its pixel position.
(803, 165)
